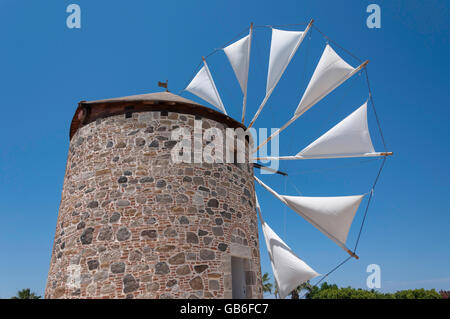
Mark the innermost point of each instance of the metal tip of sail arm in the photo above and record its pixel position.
(363, 65)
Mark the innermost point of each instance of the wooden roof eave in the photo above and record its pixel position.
(102, 109)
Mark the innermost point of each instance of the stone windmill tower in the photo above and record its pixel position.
(133, 224)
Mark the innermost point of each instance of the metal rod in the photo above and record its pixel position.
(244, 102)
(269, 169)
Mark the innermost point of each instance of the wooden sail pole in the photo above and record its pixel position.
(258, 209)
(296, 116)
(299, 157)
(214, 86)
(352, 254)
(244, 102)
(276, 82)
(276, 133)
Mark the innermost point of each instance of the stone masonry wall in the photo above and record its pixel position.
(132, 224)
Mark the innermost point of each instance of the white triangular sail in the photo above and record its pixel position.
(238, 54)
(289, 270)
(349, 137)
(203, 86)
(333, 216)
(300, 157)
(330, 72)
(283, 46)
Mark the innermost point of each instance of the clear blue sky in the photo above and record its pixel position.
(125, 47)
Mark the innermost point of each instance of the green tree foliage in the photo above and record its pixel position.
(295, 294)
(417, 294)
(327, 291)
(267, 285)
(26, 294)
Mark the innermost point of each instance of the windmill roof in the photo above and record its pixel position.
(158, 96)
(150, 102)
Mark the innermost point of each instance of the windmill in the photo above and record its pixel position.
(349, 138)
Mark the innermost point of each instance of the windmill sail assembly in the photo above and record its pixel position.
(349, 138)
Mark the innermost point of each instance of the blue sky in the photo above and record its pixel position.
(125, 47)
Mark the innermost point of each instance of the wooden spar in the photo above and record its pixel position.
(276, 133)
(296, 116)
(270, 190)
(258, 209)
(244, 102)
(363, 65)
(214, 86)
(276, 82)
(352, 254)
(260, 108)
(299, 157)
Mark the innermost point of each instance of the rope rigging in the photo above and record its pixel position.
(281, 25)
(335, 167)
(337, 44)
(208, 55)
(374, 110)
(368, 202)
(329, 273)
